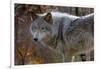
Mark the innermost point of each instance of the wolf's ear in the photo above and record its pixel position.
(48, 18)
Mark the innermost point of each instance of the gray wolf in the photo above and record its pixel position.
(63, 33)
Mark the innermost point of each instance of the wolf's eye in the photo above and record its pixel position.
(42, 28)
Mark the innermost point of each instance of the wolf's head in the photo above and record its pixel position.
(41, 27)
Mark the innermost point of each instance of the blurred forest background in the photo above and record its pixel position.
(26, 51)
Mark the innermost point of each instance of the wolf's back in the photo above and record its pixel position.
(79, 35)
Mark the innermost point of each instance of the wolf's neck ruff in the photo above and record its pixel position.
(55, 39)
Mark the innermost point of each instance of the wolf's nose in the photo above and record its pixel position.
(35, 39)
